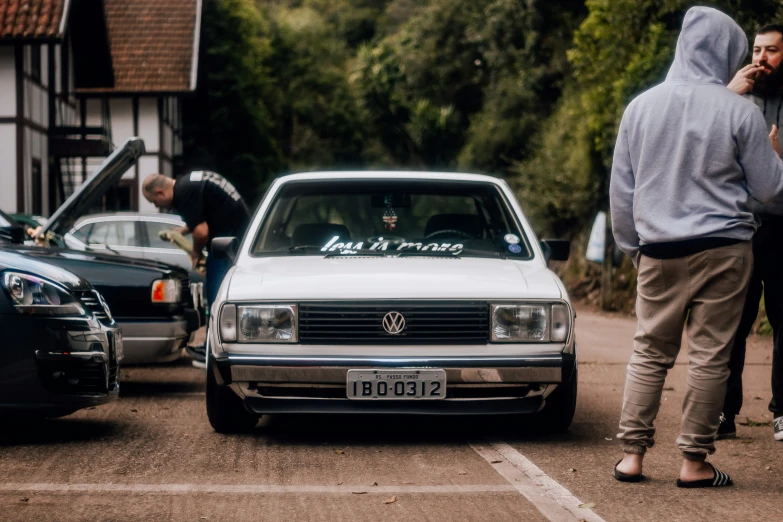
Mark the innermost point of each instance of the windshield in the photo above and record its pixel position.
(390, 217)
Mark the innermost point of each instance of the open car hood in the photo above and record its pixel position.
(95, 186)
(10, 230)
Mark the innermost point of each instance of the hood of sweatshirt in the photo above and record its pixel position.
(710, 49)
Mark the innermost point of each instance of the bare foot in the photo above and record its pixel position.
(695, 470)
(631, 464)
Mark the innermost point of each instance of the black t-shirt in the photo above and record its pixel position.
(206, 196)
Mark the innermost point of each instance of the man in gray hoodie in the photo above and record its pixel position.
(762, 83)
(688, 156)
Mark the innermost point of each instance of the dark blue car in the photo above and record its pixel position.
(60, 348)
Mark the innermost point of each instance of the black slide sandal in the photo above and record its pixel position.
(719, 480)
(622, 477)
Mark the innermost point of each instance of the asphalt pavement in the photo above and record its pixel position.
(153, 456)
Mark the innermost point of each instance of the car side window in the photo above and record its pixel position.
(153, 229)
(82, 233)
(114, 233)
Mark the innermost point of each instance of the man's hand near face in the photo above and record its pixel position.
(743, 81)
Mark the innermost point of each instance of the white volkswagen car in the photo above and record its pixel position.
(390, 292)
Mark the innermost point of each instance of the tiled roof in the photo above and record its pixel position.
(151, 43)
(30, 18)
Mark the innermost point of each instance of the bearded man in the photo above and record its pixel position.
(762, 83)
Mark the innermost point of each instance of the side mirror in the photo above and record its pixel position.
(556, 249)
(225, 248)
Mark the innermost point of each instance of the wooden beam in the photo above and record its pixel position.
(54, 167)
(20, 117)
(135, 195)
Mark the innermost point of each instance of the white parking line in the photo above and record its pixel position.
(179, 489)
(554, 501)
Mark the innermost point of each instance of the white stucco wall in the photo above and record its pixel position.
(149, 123)
(93, 112)
(8, 167)
(121, 113)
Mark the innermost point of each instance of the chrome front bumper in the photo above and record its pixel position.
(316, 384)
(153, 341)
(546, 369)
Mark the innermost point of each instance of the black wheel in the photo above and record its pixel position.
(560, 406)
(226, 412)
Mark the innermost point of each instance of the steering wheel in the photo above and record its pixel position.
(449, 232)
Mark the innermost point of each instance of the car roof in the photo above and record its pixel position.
(388, 174)
(146, 216)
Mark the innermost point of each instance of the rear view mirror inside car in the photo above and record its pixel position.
(391, 199)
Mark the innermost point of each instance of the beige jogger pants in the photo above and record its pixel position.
(704, 292)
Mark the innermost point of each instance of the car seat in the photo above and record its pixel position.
(470, 224)
(319, 234)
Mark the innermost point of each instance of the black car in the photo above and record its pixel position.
(151, 301)
(61, 348)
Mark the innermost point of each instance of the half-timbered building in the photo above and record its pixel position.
(78, 77)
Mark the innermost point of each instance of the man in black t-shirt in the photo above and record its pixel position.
(210, 206)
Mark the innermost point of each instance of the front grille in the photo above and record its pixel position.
(76, 376)
(430, 322)
(92, 304)
(185, 298)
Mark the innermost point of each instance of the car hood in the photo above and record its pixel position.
(101, 262)
(95, 186)
(318, 278)
(13, 260)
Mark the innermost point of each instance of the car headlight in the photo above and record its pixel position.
(166, 291)
(35, 296)
(533, 322)
(259, 323)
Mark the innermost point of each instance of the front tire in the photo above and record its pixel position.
(560, 406)
(226, 411)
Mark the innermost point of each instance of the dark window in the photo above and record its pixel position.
(35, 62)
(37, 187)
(65, 79)
(82, 233)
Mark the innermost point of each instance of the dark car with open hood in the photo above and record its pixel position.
(61, 347)
(151, 301)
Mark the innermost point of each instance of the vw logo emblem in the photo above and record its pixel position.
(393, 323)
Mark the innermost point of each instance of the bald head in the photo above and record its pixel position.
(158, 190)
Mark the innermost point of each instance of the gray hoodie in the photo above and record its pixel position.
(689, 151)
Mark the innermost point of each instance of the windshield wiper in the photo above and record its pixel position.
(458, 253)
(357, 253)
(425, 253)
(304, 248)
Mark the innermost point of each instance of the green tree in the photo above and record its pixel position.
(319, 125)
(466, 84)
(230, 124)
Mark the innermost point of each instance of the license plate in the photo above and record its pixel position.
(396, 384)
